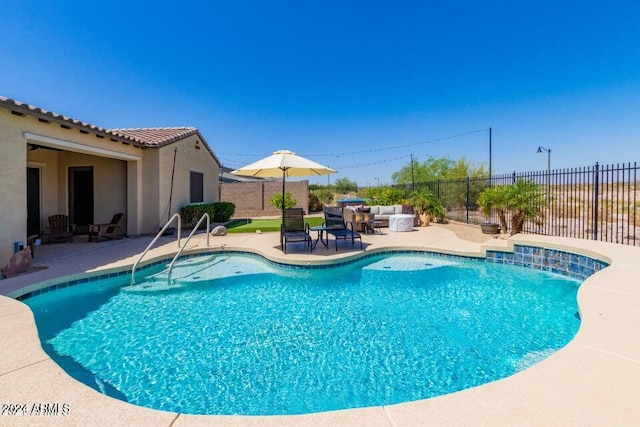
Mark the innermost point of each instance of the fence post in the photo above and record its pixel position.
(514, 177)
(468, 179)
(596, 181)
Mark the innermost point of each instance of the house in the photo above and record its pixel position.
(227, 176)
(53, 164)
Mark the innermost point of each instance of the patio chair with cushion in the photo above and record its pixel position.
(336, 226)
(59, 229)
(106, 231)
(294, 229)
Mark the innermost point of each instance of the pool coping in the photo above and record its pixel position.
(592, 381)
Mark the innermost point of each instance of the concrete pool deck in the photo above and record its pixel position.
(594, 380)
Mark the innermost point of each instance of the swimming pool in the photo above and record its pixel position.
(240, 335)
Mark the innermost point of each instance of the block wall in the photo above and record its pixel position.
(252, 198)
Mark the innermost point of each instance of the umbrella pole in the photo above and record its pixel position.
(283, 176)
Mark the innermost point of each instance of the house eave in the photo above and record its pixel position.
(21, 109)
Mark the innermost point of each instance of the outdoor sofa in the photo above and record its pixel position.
(378, 213)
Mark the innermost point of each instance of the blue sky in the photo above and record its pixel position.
(360, 86)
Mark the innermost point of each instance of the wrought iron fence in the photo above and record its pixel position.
(594, 202)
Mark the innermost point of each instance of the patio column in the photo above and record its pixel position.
(134, 198)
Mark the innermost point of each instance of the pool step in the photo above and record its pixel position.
(154, 286)
(190, 268)
(203, 269)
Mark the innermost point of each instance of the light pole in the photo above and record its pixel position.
(490, 132)
(548, 150)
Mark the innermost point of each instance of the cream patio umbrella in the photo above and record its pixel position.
(286, 164)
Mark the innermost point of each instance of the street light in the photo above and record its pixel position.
(548, 150)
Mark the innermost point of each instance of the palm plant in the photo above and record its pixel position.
(427, 204)
(526, 202)
(495, 198)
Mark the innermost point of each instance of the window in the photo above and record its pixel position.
(196, 181)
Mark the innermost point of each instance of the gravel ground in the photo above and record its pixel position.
(464, 231)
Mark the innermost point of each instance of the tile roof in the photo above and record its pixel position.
(22, 109)
(141, 137)
(157, 137)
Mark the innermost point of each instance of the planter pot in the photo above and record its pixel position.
(490, 228)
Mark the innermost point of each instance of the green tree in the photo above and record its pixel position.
(453, 175)
(434, 169)
(386, 195)
(462, 169)
(289, 201)
(431, 169)
(344, 185)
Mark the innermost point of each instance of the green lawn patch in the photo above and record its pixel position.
(265, 225)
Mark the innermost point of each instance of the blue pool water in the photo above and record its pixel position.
(239, 335)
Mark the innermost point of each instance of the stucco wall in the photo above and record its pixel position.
(150, 197)
(188, 158)
(53, 174)
(252, 198)
(127, 178)
(13, 197)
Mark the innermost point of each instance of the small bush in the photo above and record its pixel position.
(289, 201)
(192, 213)
(315, 205)
(223, 211)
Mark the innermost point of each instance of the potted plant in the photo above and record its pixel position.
(490, 199)
(526, 202)
(523, 200)
(427, 205)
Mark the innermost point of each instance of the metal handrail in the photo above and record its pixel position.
(173, 261)
(176, 215)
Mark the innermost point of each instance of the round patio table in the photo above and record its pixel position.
(320, 236)
(401, 222)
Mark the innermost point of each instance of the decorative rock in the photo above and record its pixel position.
(19, 263)
(220, 230)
